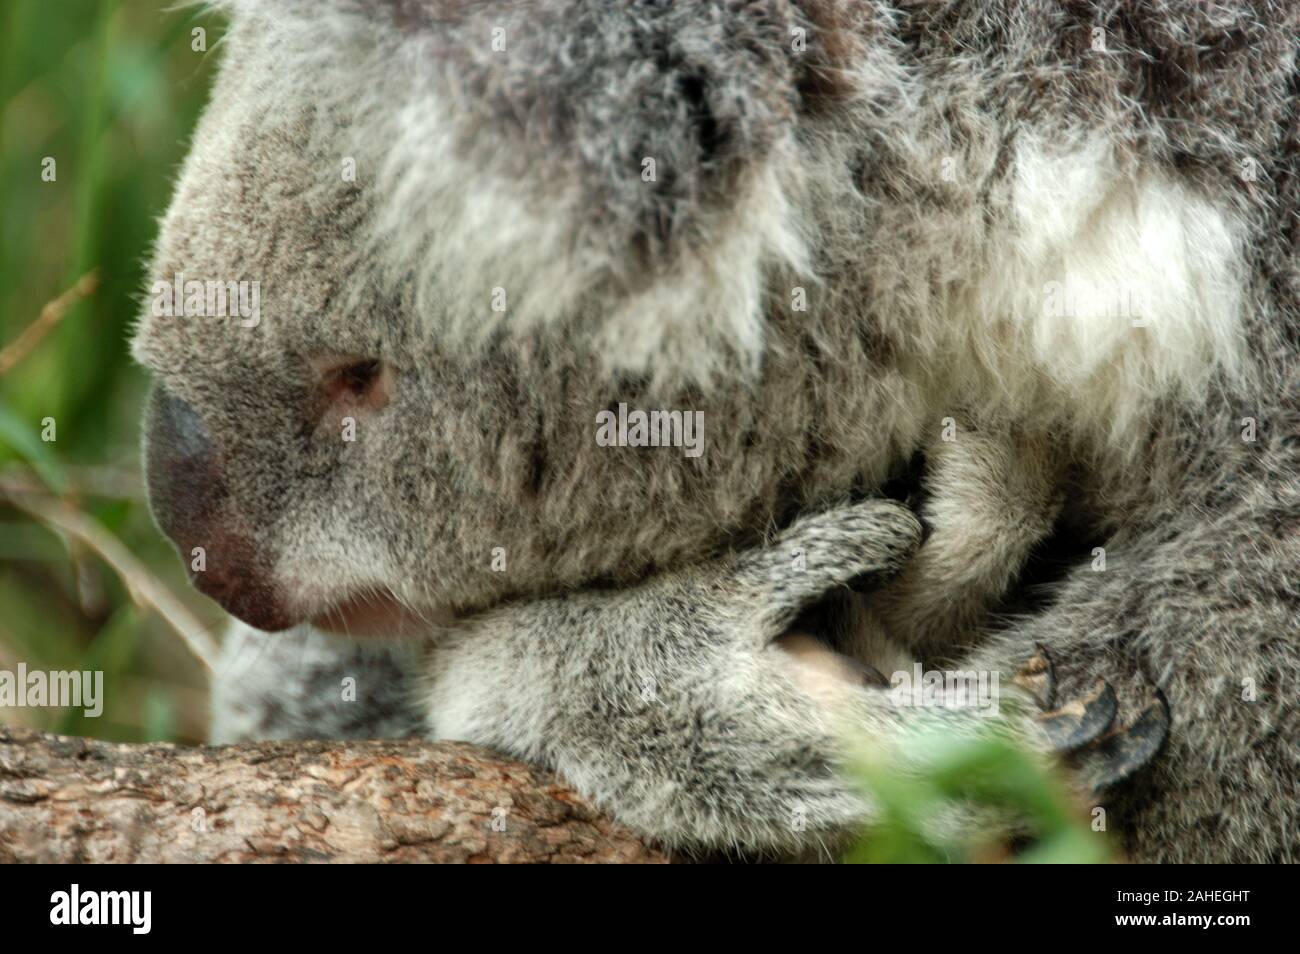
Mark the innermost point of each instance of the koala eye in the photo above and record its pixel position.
(360, 377)
(353, 383)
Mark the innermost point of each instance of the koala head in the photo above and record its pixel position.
(418, 244)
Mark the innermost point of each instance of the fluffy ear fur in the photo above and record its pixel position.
(628, 171)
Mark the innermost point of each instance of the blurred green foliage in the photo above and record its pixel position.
(970, 778)
(110, 91)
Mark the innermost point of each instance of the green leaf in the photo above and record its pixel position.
(159, 716)
(23, 441)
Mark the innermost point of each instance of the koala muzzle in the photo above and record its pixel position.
(191, 503)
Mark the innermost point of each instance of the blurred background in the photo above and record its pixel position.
(98, 99)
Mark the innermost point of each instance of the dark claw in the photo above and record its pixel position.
(1038, 678)
(1084, 730)
(1081, 720)
(872, 678)
(866, 583)
(1121, 753)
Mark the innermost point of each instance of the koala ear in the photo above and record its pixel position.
(625, 175)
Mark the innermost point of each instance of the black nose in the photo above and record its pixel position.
(191, 502)
(186, 484)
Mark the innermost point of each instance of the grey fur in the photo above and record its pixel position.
(906, 171)
(306, 684)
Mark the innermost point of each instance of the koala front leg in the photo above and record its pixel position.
(308, 684)
(668, 704)
(990, 496)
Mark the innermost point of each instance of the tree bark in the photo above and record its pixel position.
(73, 800)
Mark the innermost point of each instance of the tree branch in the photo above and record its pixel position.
(50, 316)
(71, 800)
(145, 588)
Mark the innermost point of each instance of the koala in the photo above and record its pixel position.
(1047, 249)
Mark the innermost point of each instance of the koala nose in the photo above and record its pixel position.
(192, 505)
(183, 468)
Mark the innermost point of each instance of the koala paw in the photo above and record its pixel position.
(1083, 730)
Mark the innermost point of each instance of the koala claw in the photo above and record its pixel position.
(1038, 677)
(871, 677)
(1120, 753)
(1084, 730)
(1082, 720)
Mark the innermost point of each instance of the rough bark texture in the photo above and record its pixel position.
(69, 799)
